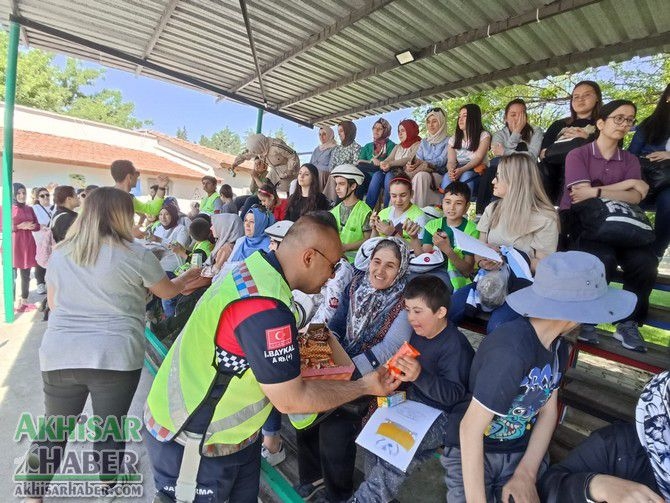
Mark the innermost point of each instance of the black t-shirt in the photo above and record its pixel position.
(551, 134)
(445, 365)
(513, 375)
(61, 222)
(298, 207)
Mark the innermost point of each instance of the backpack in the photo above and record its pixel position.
(46, 244)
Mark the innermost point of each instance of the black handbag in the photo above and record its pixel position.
(612, 222)
(656, 174)
(556, 153)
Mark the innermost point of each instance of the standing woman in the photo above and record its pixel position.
(466, 157)
(569, 133)
(308, 197)
(321, 155)
(44, 212)
(651, 143)
(344, 153)
(24, 249)
(403, 153)
(431, 160)
(516, 136)
(94, 343)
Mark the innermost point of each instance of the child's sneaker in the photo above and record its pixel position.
(273, 458)
(307, 491)
(628, 333)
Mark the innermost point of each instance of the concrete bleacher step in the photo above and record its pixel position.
(564, 440)
(598, 398)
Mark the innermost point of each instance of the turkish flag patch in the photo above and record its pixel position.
(277, 338)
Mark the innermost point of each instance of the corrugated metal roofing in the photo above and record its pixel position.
(334, 59)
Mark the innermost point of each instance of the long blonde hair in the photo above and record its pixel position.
(525, 194)
(106, 218)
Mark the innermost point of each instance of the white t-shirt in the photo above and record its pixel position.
(463, 155)
(99, 317)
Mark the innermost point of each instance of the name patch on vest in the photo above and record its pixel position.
(277, 338)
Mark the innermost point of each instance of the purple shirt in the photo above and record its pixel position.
(586, 164)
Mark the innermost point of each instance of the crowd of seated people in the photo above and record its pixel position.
(383, 198)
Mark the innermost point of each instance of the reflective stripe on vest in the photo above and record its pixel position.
(457, 279)
(413, 213)
(188, 374)
(353, 229)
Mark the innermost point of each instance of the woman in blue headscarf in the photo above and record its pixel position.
(255, 222)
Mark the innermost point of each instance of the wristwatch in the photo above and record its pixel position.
(587, 483)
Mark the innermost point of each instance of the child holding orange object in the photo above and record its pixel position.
(436, 373)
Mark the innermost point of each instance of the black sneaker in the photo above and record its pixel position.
(307, 491)
(628, 333)
(588, 334)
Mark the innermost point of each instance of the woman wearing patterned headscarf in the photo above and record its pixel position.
(370, 324)
(621, 462)
(321, 155)
(403, 153)
(431, 160)
(373, 153)
(345, 153)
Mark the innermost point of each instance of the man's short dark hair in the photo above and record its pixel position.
(62, 192)
(121, 168)
(226, 191)
(89, 188)
(430, 289)
(154, 187)
(459, 189)
(199, 229)
(209, 178)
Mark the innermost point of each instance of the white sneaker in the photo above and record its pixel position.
(273, 458)
(41, 289)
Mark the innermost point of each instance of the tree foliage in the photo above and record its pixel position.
(182, 133)
(42, 84)
(640, 80)
(225, 140)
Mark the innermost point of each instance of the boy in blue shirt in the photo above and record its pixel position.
(438, 377)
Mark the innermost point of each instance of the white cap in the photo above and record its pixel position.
(278, 230)
(350, 172)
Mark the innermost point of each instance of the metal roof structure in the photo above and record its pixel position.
(321, 61)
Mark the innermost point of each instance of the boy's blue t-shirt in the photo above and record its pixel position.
(513, 375)
(445, 366)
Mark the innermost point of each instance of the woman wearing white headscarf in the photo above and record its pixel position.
(431, 160)
(281, 160)
(621, 462)
(321, 155)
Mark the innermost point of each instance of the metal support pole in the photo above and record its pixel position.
(259, 121)
(7, 166)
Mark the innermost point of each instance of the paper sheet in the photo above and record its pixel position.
(469, 244)
(394, 433)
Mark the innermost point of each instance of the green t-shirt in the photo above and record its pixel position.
(440, 224)
(368, 151)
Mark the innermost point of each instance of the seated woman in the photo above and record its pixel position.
(269, 199)
(651, 143)
(308, 197)
(579, 128)
(516, 136)
(371, 324)
(466, 157)
(602, 169)
(321, 155)
(404, 152)
(430, 164)
(344, 153)
(621, 462)
(372, 154)
(170, 232)
(522, 218)
(401, 217)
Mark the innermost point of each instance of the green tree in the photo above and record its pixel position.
(44, 85)
(280, 133)
(225, 140)
(181, 133)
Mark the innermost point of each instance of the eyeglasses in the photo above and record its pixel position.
(44, 195)
(333, 266)
(436, 109)
(621, 119)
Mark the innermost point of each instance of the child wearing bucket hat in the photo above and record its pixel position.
(500, 448)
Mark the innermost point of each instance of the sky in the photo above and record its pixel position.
(170, 107)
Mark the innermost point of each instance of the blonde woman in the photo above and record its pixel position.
(522, 218)
(97, 285)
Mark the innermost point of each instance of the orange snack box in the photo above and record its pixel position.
(405, 350)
